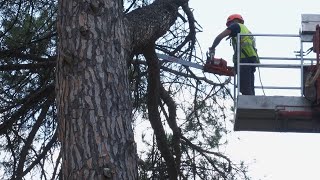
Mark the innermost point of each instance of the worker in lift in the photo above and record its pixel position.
(235, 25)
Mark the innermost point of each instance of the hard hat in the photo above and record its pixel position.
(233, 17)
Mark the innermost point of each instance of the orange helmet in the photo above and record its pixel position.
(233, 17)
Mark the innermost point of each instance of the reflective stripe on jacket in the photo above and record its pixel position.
(247, 44)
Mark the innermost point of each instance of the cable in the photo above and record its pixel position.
(261, 82)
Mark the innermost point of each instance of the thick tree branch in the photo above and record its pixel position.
(173, 124)
(149, 23)
(153, 112)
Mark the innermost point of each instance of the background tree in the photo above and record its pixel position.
(106, 46)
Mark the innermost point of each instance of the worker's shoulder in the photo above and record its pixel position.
(234, 28)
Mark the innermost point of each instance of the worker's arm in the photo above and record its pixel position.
(217, 40)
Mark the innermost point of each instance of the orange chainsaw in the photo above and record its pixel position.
(217, 66)
(213, 65)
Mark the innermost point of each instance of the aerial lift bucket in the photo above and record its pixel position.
(284, 113)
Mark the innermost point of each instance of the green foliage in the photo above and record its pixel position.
(30, 33)
(27, 120)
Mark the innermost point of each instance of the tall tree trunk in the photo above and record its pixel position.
(94, 107)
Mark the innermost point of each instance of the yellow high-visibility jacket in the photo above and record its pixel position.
(247, 45)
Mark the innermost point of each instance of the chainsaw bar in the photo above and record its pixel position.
(214, 65)
(179, 61)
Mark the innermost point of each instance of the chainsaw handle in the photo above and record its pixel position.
(211, 52)
(212, 55)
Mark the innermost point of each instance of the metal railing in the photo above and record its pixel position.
(296, 66)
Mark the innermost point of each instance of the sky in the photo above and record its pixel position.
(270, 156)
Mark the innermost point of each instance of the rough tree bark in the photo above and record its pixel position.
(95, 41)
(93, 97)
